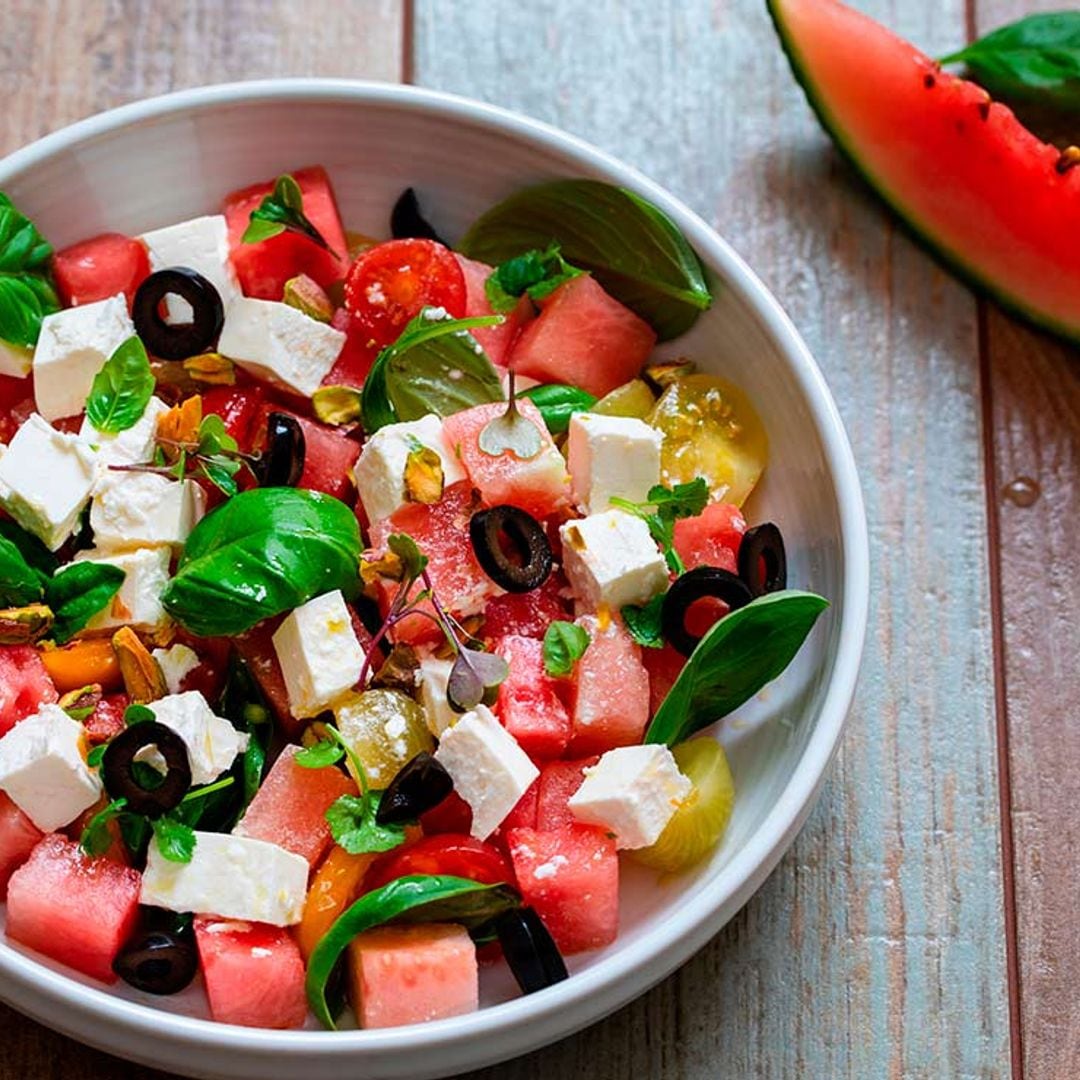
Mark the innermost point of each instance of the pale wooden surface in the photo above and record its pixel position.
(878, 949)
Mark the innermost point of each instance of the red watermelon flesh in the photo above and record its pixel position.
(107, 719)
(711, 538)
(24, 685)
(357, 354)
(72, 908)
(263, 268)
(18, 838)
(496, 341)
(529, 613)
(663, 666)
(558, 781)
(528, 703)
(100, 267)
(571, 877)
(329, 455)
(254, 973)
(585, 338)
(977, 186)
(290, 807)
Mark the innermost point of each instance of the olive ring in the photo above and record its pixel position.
(763, 544)
(528, 540)
(121, 779)
(158, 962)
(180, 340)
(685, 591)
(281, 464)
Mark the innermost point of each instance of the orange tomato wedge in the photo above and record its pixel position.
(82, 663)
(336, 884)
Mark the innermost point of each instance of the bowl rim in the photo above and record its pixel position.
(589, 994)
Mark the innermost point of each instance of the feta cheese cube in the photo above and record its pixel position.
(201, 244)
(380, 471)
(610, 558)
(434, 675)
(15, 360)
(176, 663)
(611, 455)
(43, 769)
(212, 742)
(633, 792)
(72, 348)
(235, 877)
(141, 509)
(319, 653)
(138, 601)
(135, 446)
(490, 771)
(46, 478)
(279, 343)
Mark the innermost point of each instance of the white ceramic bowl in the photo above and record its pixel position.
(159, 161)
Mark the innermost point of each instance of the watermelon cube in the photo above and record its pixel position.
(100, 267)
(528, 703)
(611, 690)
(73, 908)
(540, 485)
(585, 338)
(663, 666)
(529, 613)
(357, 354)
(256, 649)
(107, 719)
(24, 685)
(712, 538)
(18, 837)
(524, 814)
(329, 455)
(413, 974)
(241, 411)
(254, 973)
(558, 781)
(263, 268)
(290, 807)
(571, 877)
(496, 341)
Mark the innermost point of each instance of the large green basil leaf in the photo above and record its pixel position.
(77, 593)
(263, 552)
(418, 898)
(733, 661)
(121, 389)
(26, 291)
(435, 366)
(26, 566)
(632, 248)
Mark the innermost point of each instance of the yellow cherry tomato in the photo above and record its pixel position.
(634, 398)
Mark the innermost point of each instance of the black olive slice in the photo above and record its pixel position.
(281, 464)
(158, 961)
(530, 952)
(407, 222)
(695, 585)
(180, 340)
(527, 540)
(121, 776)
(763, 544)
(419, 786)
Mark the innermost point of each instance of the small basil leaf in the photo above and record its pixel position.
(281, 210)
(320, 756)
(36, 554)
(175, 840)
(93, 758)
(20, 583)
(558, 403)
(26, 291)
(96, 838)
(644, 622)
(536, 274)
(243, 702)
(121, 389)
(354, 828)
(77, 593)
(737, 657)
(263, 552)
(413, 560)
(564, 645)
(682, 500)
(632, 249)
(138, 714)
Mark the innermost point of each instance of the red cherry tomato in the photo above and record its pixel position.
(390, 283)
(452, 854)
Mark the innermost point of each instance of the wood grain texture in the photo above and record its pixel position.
(1033, 402)
(876, 949)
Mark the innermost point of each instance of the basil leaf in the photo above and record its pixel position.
(77, 593)
(558, 403)
(175, 840)
(564, 645)
(263, 552)
(435, 366)
(121, 389)
(413, 560)
(138, 714)
(632, 249)
(536, 274)
(93, 758)
(354, 828)
(33, 551)
(26, 291)
(20, 583)
(1036, 60)
(96, 838)
(733, 661)
(417, 898)
(281, 210)
(320, 756)
(644, 622)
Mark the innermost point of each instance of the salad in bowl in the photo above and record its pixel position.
(364, 600)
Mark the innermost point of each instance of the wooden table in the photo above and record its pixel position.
(924, 924)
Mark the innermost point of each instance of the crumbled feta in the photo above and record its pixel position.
(380, 471)
(632, 791)
(72, 348)
(434, 676)
(319, 653)
(46, 478)
(141, 509)
(610, 558)
(138, 601)
(489, 769)
(212, 742)
(43, 769)
(611, 456)
(235, 877)
(279, 343)
(176, 663)
(134, 446)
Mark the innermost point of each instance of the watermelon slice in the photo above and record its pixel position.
(996, 203)
(712, 538)
(496, 341)
(256, 649)
(663, 666)
(357, 354)
(558, 781)
(290, 807)
(528, 703)
(100, 267)
(329, 455)
(412, 974)
(529, 613)
(254, 973)
(18, 837)
(24, 685)
(107, 719)
(72, 908)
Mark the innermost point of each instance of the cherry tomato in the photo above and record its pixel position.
(452, 854)
(390, 283)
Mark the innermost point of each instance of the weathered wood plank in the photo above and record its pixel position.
(64, 59)
(876, 949)
(1033, 404)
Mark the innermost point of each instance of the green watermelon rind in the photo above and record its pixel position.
(950, 258)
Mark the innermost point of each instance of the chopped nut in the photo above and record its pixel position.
(336, 404)
(25, 625)
(180, 424)
(143, 678)
(383, 566)
(423, 476)
(308, 296)
(212, 368)
(663, 375)
(398, 670)
(85, 699)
